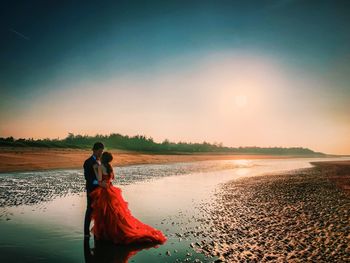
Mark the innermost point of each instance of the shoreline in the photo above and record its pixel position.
(37, 159)
(300, 216)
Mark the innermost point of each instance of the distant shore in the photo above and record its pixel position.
(29, 159)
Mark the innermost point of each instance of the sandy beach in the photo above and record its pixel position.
(238, 211)
(297, 216)
(338, 172)
(35, 159)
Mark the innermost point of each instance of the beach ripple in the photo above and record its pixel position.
(298, 216)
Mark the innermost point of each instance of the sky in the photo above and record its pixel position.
(243, 73)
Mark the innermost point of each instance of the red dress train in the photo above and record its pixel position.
(113, 220)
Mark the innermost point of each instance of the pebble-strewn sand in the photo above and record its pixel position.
(338, 172)
(27, 188)
(299, 216)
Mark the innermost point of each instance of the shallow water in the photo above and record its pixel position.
(41, 213)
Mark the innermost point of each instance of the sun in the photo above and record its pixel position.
(241, 100)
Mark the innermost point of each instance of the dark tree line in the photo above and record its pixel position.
(144, 144)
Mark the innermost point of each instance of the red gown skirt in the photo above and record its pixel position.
(113, 220)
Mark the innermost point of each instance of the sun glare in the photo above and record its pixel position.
(241, 101)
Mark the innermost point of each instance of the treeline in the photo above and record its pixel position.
(144, 144)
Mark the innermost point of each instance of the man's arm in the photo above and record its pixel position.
(86, 170)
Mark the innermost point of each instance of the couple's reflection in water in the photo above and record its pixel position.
(106, 251)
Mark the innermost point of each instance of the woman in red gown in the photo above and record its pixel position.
(112, 218)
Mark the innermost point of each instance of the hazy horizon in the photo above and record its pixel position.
(148, 137)
(243, 74)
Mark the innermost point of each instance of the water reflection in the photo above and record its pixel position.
(104, 251)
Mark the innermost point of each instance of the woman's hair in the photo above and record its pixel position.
(106, 158)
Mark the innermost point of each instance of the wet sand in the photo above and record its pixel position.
(297, 216)
(338, 172)
(35, 159)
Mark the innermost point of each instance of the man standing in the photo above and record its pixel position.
(91, 182)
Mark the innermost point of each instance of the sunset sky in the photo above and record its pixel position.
(244, 73)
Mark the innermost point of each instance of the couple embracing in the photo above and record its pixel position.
(106, 206)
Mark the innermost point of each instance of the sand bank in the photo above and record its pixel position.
(298, 216)
(29, 159)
